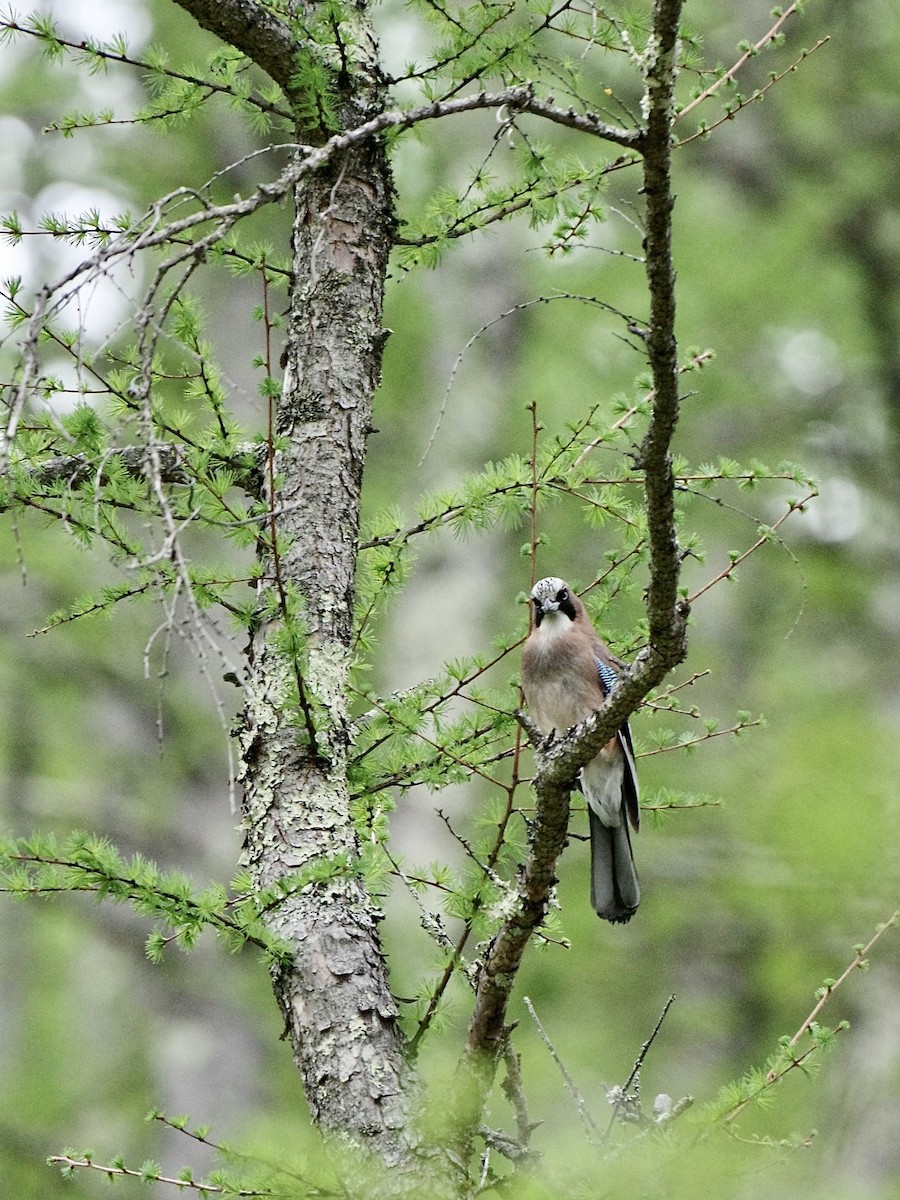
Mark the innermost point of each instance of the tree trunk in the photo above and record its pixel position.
(339, 1014)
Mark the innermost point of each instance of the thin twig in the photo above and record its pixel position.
(639, 1062)
(777, 1073)
(590, 1125)
(793, 506)
(707, 736)
(68, 1163)
(748, 54)
(732, 111)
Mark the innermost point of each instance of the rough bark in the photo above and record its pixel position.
(665, 617)
(255, 31)
(340, 1017)
(339, 1014)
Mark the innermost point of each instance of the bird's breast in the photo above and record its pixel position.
(559, 680)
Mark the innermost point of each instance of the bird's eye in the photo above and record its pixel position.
(562, 595)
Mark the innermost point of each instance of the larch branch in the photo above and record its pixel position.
(254, 30)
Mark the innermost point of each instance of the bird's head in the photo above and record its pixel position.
(552, 595)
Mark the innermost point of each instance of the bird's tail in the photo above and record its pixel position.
(615, 892)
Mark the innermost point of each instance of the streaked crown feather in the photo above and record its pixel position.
(548, 589)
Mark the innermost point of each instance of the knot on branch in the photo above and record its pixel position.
(520, 97)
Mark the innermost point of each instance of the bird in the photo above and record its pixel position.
(567, 673)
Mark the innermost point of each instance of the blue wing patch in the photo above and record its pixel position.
(608, 677)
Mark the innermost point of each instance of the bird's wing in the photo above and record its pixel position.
(629, 781)
(608, 680)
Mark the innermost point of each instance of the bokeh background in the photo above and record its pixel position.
(787, 245)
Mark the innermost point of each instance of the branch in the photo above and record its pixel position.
(107, 54)
(149, 1173)
(690, 742)
(765, 536)
(732, 110)
(667, 618)
(591, 1128)
(222, 218)
(583, 122)
(560, 761)
(517, 99)
(751, 52)
(787, 1060)
(487, 1032)
(254, 30)
(859, 963)
(153, 897)
(76, 469)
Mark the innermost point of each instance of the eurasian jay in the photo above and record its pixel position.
(567, 672)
